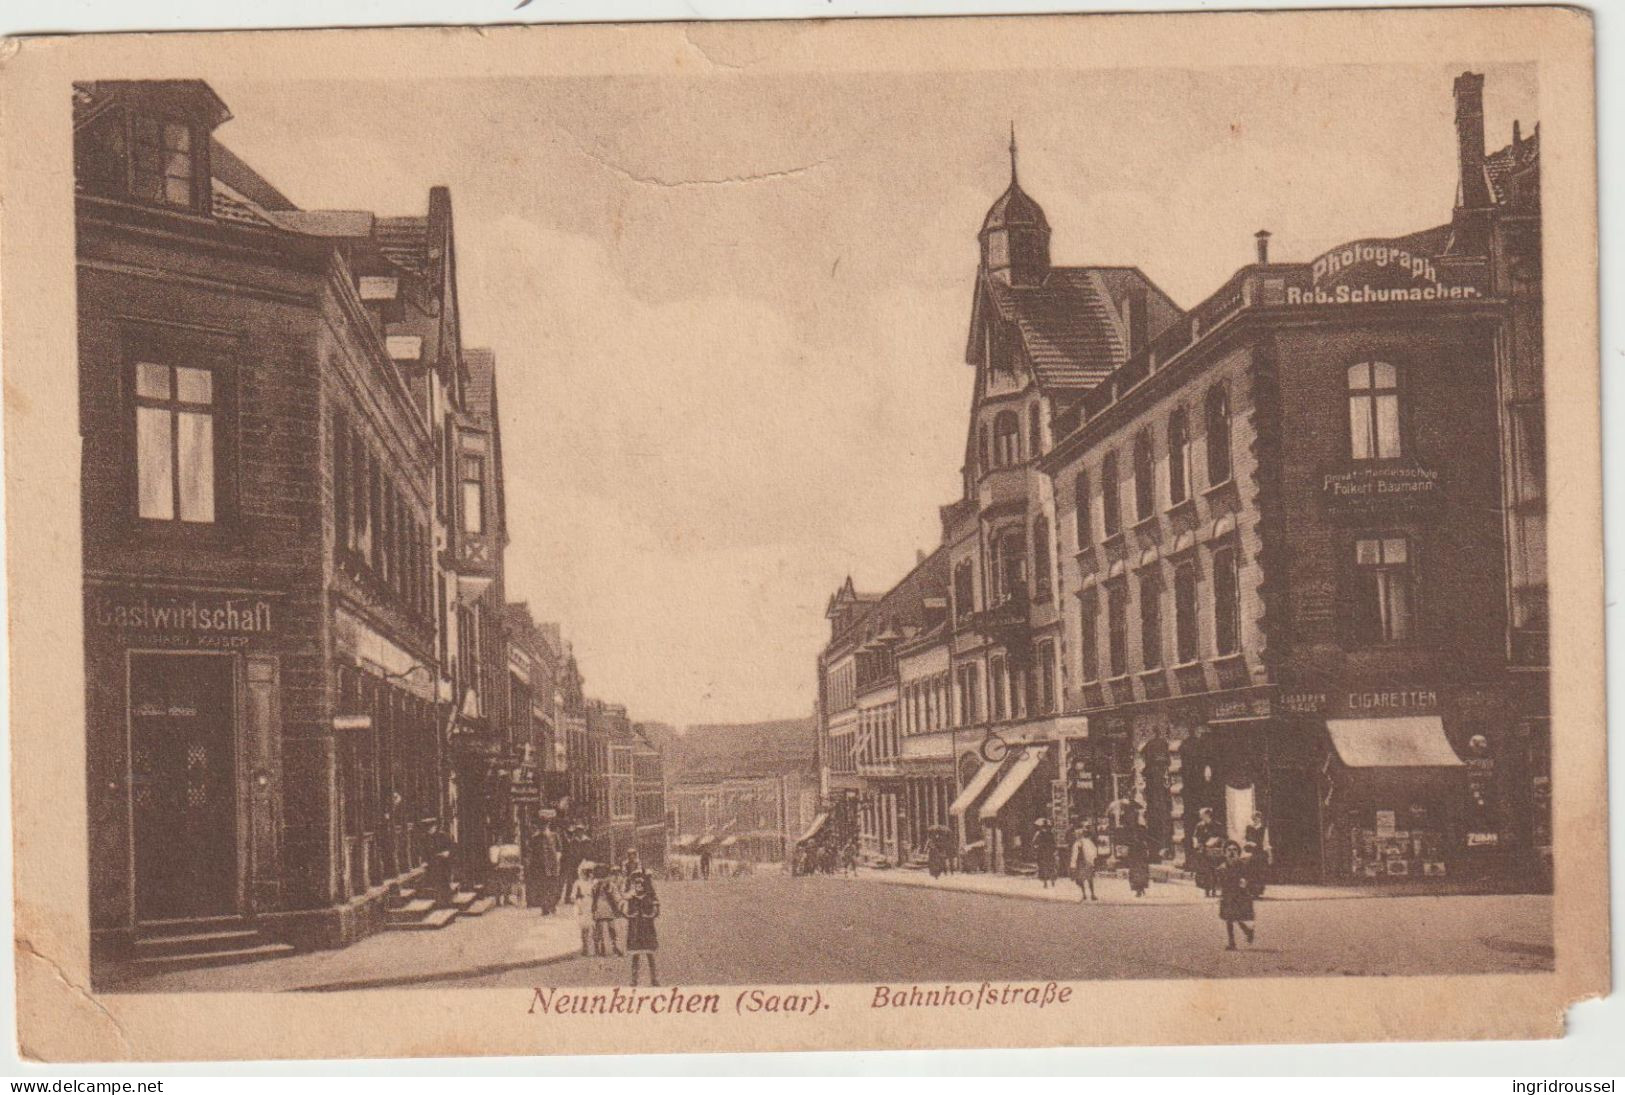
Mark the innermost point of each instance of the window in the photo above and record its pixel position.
(1111, 502)
(1010, 565)
(1006, 439)
(163, 162)
(1150, 622)
(1218, 436)
(996, 687)
(1080, 490)
(964, 589)
(1046, 678)
(1088, 636)
(1179, 458)
(1385, 605)
(1145, 482)
(343, 532)
(1373, 411)
(473, 495)
(1226, 602)
(1035, 431)
(1041, 562)
(1187, 641)
(174, 443)
(969, 708)
(1117, 628)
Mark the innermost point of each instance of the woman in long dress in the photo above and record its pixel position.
(1139, 860)
(1083, 864)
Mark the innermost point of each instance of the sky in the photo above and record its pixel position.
(729, 311)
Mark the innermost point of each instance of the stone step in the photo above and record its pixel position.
(480, 907)
(414, 909)
(430, 921)
(191, 925)
(162, 963)
(201, 942)
(462, 899)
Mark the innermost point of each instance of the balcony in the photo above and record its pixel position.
(1005, 621)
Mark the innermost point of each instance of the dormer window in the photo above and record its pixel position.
(164, 169)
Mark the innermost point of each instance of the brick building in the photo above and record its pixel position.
(274, 403)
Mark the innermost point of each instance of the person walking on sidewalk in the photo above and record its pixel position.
(1202, 859)
(642, 910)
(1235, 895)
(849, 859)
(1082, 864)
(1044, 851)
(1138, 857)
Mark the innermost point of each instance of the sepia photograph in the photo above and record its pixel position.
(722, 539)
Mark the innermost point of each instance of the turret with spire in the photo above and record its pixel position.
(1015, 233)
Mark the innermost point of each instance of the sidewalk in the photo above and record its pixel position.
(1113, 889)
(505, 938)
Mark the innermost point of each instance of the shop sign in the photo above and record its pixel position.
(1359, 491)
(1304, 703)
(1393, 700)
(202, 620)
(1375, 271)
(1483, 840)
(1233, 710)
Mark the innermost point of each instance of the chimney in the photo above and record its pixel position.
(1263, 238)
(1517, 134)
(1474, 192)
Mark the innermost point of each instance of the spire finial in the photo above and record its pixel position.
(1012, 152)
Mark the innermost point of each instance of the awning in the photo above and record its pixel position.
(1416, 741)
(1014, 777)
(973, 790)
(812, 830)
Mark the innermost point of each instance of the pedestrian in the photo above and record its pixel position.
(1256, 865)
(1082, 864)
(642, 910)
(1138, 859)
(1235, 895)
(543, 880)
(507, 871)
(936, 853)
(1203, 838)
(705, 861)
(1044, 852)
(570, 859)
(849, 859)
(606, 909)
(1257, 835)
(579, 892)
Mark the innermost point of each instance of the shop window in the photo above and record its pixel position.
(1080, 493)
(1385, 600)
(1150, 622)
(1373, 411)
(1111, 501)
(1041, 562)
(1006, 439)
(1145, 484)
(473, 495)
(1179, 458)
(1226, 603)
(1117, 628)
(163, 171)
(1187, 644)
(175, 443)
(1088, 635)
(1218, 436)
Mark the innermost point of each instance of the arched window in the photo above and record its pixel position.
(1179, 458)
(1041, 562)
(1080, 488)
(1111, 501)
(1145, 481)
(1035, 431)
(1373, 411)
(1218, 436)
(964, 590)
(1006, 439)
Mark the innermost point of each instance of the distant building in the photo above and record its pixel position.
(747, 790)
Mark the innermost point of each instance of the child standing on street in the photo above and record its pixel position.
(606, 908)
(1235, 895)
(580, 892)
(642, 910)
(1083, 865)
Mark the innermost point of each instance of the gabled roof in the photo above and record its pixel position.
(1500, 166)
(1068, 326)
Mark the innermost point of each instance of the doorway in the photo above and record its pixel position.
(183, 785)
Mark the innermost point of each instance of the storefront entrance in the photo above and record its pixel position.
(183, 785)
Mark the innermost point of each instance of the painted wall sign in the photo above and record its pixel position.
(196, 614)
(1357, 491)
(1375, 271)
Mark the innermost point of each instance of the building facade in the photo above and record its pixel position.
(1281, 554)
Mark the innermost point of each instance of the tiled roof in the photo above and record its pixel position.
(228, 205)
(482, 371)
(1500, 166)
(404, 241)
(1067, 326)
(782, 747)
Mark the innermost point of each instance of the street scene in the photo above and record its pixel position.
(976, 589)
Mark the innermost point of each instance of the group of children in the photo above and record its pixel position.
(603, 895)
